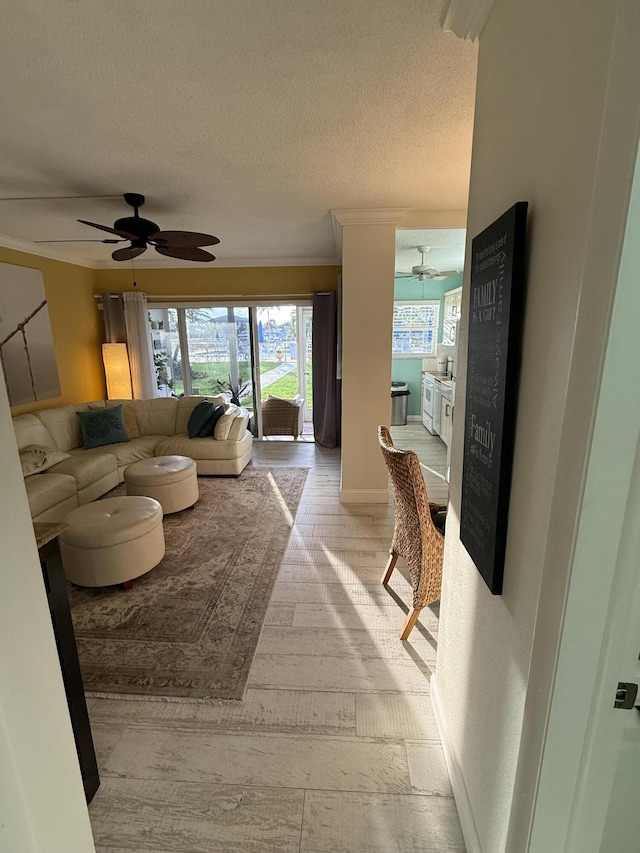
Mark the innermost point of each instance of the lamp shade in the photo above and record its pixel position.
(116, 371)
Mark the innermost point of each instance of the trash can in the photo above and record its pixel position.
(399, 397)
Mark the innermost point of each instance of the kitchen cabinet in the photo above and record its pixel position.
(446, 425)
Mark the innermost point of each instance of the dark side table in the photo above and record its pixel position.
(56, 586)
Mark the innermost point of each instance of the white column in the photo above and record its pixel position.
(368, 258)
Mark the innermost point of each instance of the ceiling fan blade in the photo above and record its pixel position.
(80, 241)
(183, 239)
(437, 275)
(185, 253)
(128, 253)
(123, 234)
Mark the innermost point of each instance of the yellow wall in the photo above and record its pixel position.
(76, 329)
(237, 282)
(76, 322)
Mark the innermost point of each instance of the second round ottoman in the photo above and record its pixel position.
(112, 541)
(171, 480)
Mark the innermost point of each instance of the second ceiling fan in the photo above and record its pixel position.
(143, 233)
(423, 271)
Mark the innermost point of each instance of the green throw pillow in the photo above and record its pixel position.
(103, 426)
(199, 417)
(210, 425)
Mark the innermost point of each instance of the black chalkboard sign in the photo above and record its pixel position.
(495, 331)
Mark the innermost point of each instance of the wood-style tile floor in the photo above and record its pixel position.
(335, 747)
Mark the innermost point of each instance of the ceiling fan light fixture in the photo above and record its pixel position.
(142, 233)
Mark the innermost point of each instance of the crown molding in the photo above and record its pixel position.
(370, 216)
(41, 251)
(364, 216)
(466, 18)
(220, 263)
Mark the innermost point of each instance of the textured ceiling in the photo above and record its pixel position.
(446, 248)
(249, 120)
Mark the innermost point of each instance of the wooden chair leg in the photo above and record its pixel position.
(412, 618)
(391, 564)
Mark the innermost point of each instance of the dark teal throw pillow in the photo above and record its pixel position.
(199, 417)
(209, 428)
(103, 426)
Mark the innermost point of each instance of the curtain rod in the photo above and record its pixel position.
(197, 297)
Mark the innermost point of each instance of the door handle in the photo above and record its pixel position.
(626, 695)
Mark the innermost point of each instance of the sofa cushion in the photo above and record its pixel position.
(103, 427)
(187, 404)
(239, 425)
(224, 424)
(64, 426)
(30, 430)
(87, 468)
(203, 448)
(157, 416)
(35, 459)
(129, 451)
(47, 490)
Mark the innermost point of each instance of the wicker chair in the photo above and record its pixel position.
(415, 536)
(282, 417)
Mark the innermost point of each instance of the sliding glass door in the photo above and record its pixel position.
(252, 351)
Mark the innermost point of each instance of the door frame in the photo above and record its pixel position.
(303, 311)
(584, 731)
(299, 305)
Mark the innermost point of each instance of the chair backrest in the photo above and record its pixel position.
(411, 502)
(415, 536)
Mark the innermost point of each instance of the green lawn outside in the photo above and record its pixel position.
(206, 385)
(287, 386)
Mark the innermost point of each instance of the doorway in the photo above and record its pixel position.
(284, 352)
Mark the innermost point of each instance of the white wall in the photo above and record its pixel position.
(42, 805)
(548, 130)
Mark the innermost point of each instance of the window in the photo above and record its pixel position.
(194, 348)
(415, 328)
(452, 306)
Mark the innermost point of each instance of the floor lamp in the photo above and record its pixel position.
(116, 371)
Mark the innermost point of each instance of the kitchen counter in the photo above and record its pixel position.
(440, 376)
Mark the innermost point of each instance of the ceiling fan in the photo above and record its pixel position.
(423, 271)
(143, 233)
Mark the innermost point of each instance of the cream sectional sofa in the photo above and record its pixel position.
(88, 474)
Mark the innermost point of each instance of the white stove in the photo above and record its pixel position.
(428, 401)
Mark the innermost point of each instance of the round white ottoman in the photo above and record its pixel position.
(112, 541)
(171, 480)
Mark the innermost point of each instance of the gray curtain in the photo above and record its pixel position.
(113, 316)
(326, 385)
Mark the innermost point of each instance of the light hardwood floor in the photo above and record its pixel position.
(335, 747)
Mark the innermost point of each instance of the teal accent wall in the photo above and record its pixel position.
(409, 370)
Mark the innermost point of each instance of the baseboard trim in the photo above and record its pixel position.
(463, 805)
(364, 496)
(414, 418)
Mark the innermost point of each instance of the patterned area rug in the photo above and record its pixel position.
(189, 628)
